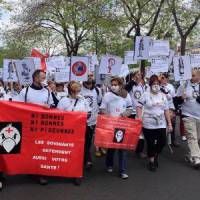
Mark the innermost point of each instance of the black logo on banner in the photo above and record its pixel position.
(119, 135)
(10, 137)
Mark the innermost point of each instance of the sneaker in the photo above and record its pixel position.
(98, 154)
(109, 169)
(196, 164)
(1, 185)
(152, 166)
(43, 181)
(184, 138)
(124, 176)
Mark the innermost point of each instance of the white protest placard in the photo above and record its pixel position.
(182, 68)
(9, 71)
(142, 48)
(36, 61)
(110, 65)
(159, 48)
(53, 62)
(93, 61)
(124, 71)
(195, 60)
(62, 72)
(129, 58)
(148, 72)
(25, 69)
(79, 68)
(67, 61)
(160, 64)
(171, 56)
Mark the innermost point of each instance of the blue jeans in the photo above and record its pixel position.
(122, 159)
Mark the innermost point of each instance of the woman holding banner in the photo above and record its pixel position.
(116, 103)
(154, 111)
(75, 102)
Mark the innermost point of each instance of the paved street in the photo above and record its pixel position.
(174, 180)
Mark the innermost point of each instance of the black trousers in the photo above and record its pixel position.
(88, 143)
(141, 142)
(156, 140)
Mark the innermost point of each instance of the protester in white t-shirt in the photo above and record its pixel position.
(93, 95)
(2, 90)
(169, 90)
(189, 93)
(117, 103)
(37, 93)
(136, 87)
(154, 112)
(13, 93)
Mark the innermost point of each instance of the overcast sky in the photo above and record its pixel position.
(5, 18)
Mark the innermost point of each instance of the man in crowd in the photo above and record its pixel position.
(37, 93)
(93, 95)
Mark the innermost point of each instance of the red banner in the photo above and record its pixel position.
(38, 140)
(117, 132)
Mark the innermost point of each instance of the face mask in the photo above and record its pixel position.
(115, 88)
(155, 88)
(61, 94)
(44, 83)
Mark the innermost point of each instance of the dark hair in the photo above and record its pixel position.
(59, 84)
(153, 79)
(36, 73)
(118, 79)
(2, 82)
(166, 75)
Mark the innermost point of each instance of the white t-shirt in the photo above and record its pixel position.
(93, 100)
(115, 105)
(79, 104)
(190, 107)
(171, 94)
(2, 93)
(135, 94)
(153, 110)
(41, 97)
